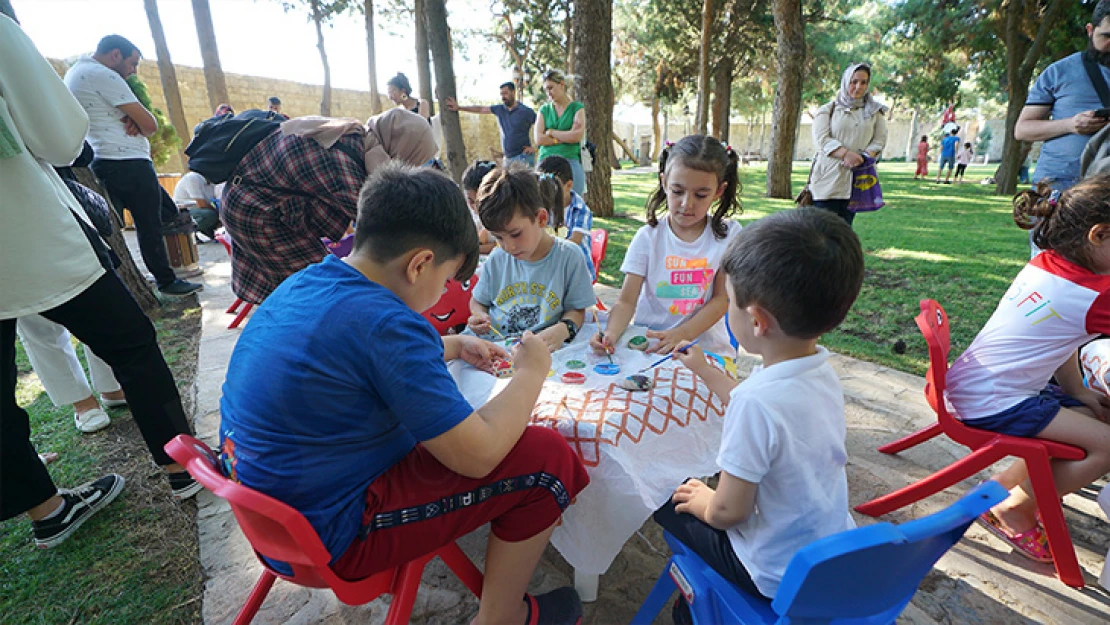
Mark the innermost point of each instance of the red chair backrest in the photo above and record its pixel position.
(453, 308)
(224, 239)
(273, 528)
(599, 241)
(933, 322)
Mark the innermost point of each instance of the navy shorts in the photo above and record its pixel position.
(1030, 417)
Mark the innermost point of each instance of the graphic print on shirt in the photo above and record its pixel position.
(523, 305)
(1032, 305)
(690, 278)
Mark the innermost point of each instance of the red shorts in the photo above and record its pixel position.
(419, 505)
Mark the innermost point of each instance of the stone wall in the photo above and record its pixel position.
(480, 132)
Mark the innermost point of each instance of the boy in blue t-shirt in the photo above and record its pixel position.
(339, 403)
(948, 154)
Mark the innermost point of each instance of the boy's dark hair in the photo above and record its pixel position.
(506, 193)
(402, 83)
(117, 42)
(1102, 11)
(804, 266)
(1061, 221)
(703, 154)
(472, 177)
(511, 86)
(554, 172)
(401, 208)
(274, 100)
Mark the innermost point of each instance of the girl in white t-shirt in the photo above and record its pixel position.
(672, 284)
(1057, 303)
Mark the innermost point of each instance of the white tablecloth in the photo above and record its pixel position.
(637, 446)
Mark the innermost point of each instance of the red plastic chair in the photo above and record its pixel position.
(599, 242)
(452, 310)
(986, 447)
(279, 532)
(225, 239)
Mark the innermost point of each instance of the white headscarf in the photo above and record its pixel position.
(869, 105)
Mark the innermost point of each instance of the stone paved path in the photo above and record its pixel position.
(979, 581)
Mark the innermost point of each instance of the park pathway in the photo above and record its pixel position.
(980, 581)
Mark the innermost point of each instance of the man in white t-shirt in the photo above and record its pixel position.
(200, 198)
(791, 278)
(118, 129)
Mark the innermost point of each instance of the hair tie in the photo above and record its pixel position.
(546, 175)
(1054, 197)
(668, 144)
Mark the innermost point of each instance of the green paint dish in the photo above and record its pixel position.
(575, 364)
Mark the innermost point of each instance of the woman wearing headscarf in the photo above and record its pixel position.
(844, 131)
(302, 183)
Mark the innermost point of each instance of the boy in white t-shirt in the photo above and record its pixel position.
(792, 277)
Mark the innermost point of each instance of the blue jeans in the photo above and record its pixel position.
(579, 176)
(527, 159)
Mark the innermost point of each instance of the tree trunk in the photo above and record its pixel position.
(371, 62)
(627, 150)
(318, 19)
(701, 117)
(436, 20)
(128, 271)
(593, 27)
(168, 75)
(423, 59)
(790, 58)
(748, 139)
(656, 132)
(6, 9)
(1021, 59)
(911, 153)
(210, 55)
(722, 98)
(568, 25)
(762, 131)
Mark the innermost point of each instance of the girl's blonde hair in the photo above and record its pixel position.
(1060, 221)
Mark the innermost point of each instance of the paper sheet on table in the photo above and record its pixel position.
(637, 446)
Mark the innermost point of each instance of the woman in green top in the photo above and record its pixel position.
(560, 126)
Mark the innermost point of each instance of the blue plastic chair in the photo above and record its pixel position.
(866, 575)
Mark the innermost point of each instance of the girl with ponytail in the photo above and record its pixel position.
(1057, 303)
(672, 284)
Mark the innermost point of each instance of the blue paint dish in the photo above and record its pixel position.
(606, 368)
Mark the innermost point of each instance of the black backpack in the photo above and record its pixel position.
(221, 142)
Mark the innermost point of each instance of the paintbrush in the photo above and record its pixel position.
(667, 357)
(601, 334)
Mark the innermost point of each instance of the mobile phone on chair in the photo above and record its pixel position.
(1103, 113)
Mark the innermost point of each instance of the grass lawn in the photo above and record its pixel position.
(954, 243)
(136, 561)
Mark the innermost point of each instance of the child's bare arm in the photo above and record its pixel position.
(479, 321)
(556, 335)
(1070, 379)
(731, 504)
(694, 358)
(695, 325)
(479, 443)
(620, 315)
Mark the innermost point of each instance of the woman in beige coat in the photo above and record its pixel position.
(845, 130)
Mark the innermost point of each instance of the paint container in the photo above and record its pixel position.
(606, 368)
(638, 343)
(575, 364)
(573, 377)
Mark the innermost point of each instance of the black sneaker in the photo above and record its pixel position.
(183, 485)
(180, 287)
(558, 607)
(79, 504)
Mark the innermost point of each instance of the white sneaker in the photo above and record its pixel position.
(92, 420)
(112, 403)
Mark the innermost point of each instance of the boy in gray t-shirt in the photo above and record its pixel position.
(532, 281)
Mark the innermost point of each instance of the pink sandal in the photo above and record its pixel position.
(1032, 543)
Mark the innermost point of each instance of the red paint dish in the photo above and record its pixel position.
(573, 377)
